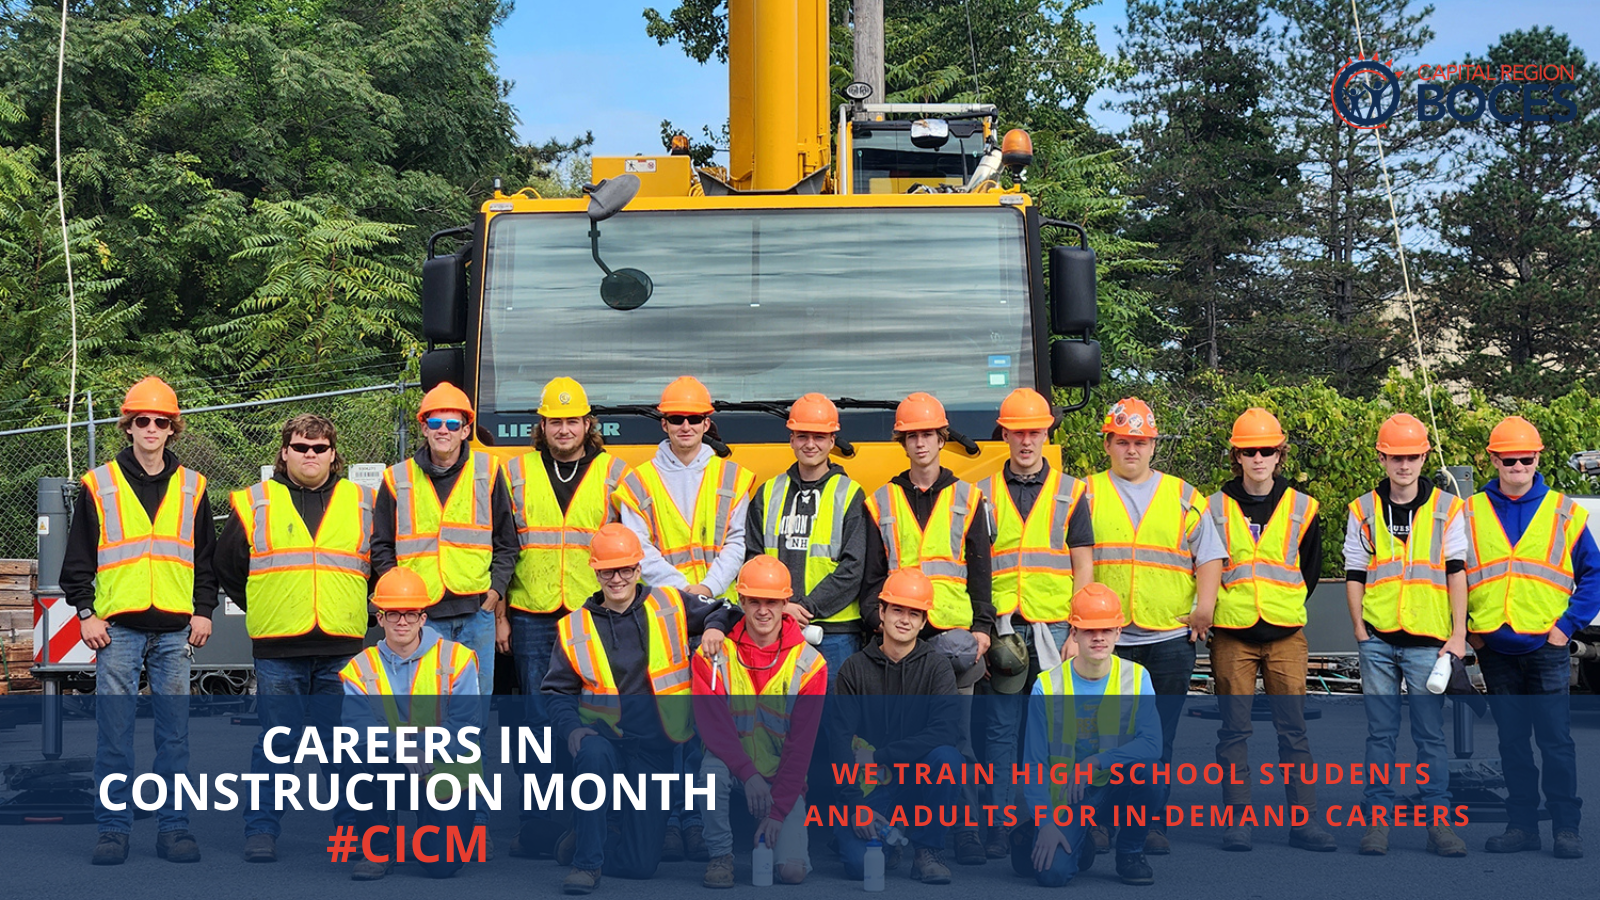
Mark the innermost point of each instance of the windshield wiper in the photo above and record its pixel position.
(968, 445)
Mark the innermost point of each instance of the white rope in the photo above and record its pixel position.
(66, 247)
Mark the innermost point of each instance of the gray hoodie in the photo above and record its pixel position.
(683, 486)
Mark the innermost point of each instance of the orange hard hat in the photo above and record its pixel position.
(614, 546)
(814, 413)
(401, 588)
(686, 396)
(1024, 409)
(1402, 435)
(1096, 606)
(909, 588)
(444, 396)
(1515, 434)
(919, 412)
(1130, 417)
(1256, 427)
(151, 395)
(764, 576)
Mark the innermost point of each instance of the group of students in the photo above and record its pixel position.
(678, 617)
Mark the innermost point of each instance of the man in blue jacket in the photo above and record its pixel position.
(1532, 582)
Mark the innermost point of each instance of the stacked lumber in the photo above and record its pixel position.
(17, 580)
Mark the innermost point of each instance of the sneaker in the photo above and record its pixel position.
(969, 850)
(177, 846)
(671, 844)
(999, 844)
(1237, 839)
(1313, 837)
(928, 867)
(488, 846)
(566, 848)
(1086, 857)
(367, 870)
(1513, 840)
(110, 850)
(694, 844)
(1156, 843)
(719, 872)
(1568, 845)
(1443, 841)
(536, 838)
(580, 881)
(1132, 869)
(1102, 838)
(260, 848)
(1376, 841)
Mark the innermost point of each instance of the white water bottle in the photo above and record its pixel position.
(872, 867)
(761, 864)
(1439, 678)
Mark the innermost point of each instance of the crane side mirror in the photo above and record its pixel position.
(1072, 290)
(443, 364)
(444, 297)
(1074, 363)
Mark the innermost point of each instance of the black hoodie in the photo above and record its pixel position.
(980, 579)
(1258, 511)
(843, 586)
(903, 709)
(1399, 516)
(81, 561)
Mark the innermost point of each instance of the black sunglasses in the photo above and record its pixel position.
(144, 421)
(318, 449)
(680, 420)
(1518, 460)
(1258, 451)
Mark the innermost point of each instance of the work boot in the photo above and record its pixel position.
(1443, 841)
(1513, 840)
(1133, 869)
(260, 848)
(671, 844)
(1237, 839)
(928, 867)
(1568, 845)
(892, 857)
(694, 844)
(367, 870)
(580, 881)
(1086, 857)
(1156, 843)
(488, 846)
(1312, 836)
(1101, 836)
(177, 846)
(1376, 841)
(969, 850)
(566, 848)
(999, 844)
(110, 850)
(719, 872)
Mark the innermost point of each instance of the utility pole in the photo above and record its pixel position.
(869, 45)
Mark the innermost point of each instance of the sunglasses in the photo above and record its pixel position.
(627, 574)
(1518, 460)
(451, 425)
(318, 449)
(409, 617)
(680, 420)
(162, 422)
(1268, 452)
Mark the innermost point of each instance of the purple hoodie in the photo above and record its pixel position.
(1584, 605)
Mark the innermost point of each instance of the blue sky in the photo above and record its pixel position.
(590, 67)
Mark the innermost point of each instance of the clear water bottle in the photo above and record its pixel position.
(761, 864)
(872, 866)
(1439, 678)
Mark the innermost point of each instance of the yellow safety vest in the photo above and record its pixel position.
(1405, 593)
(553, 570)
(834, 497)
(668, 666)
(692, 547)
(142, 564)
(1115, 722)
(940, 550)
(1150, 567)
(1262, 579)
(437, 671)
(1032, 564)
(762, 718)
(1537, 572)
(451, 545)
(301, 581)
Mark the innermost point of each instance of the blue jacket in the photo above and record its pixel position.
(1514, 516)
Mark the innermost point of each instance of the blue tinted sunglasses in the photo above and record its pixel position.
(447, 424)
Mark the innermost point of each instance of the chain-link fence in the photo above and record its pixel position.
(227, 444)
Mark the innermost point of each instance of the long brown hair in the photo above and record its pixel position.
(1277, 467)
(592, 442)
(313, 426)
(125, 425)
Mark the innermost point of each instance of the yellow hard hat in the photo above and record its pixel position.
(563, 398)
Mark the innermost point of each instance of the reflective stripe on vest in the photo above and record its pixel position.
(668, 665)
(1262, 579)
(825, 542)
(1404, 593)
(553, 570)
(1149, 566)
(1537, 572)
(692, 547)
(143, 564)
(1116, 720)
(762, 718)
(300, 581)
(1031, 560)
(940, 549)
(429, 700)
(451, 545)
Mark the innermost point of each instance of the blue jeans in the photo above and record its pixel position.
(885, 797)
(431, 844)
(634, 850)
(476, 630)
(284, 688)
(1383, 666)
(1170, 664)
(1003, 717)
(166, 658)
(836, 648)
(533, 640)
(1105, 797)
(1529, 697)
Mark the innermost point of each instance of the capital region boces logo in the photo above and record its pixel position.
(1368, 92)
